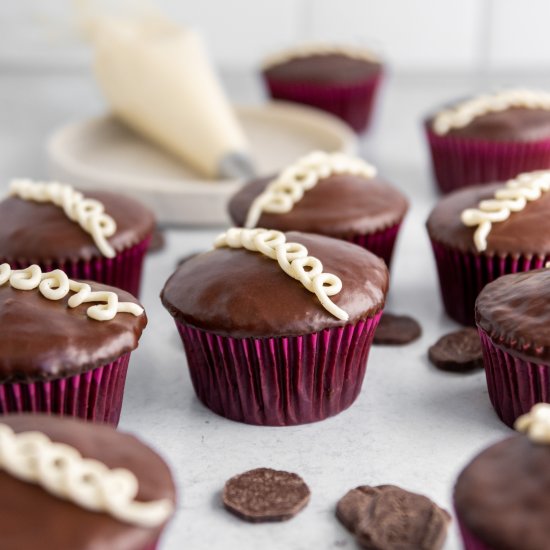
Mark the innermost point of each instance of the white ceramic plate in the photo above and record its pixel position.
(102, 153)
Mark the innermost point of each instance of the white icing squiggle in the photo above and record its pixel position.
(88, 213)
(463, 113)
(292, 258)
(536, 423)
(55, 285)
(512, 197)
(306, 50)
(62, 471)
(280, 196)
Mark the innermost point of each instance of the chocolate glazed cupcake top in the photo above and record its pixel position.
(31, 517)
(323, 64)
(503, 495)
(523, 233)
(514, 311)
(240, 293)
(38, 232)
(44, 339)
(512, 115)
(339, 205)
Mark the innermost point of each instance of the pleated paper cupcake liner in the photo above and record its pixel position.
(279, 381)
(459, 162)
(470, 541)
(352, 102)
(514, 385)
(462, 276)
(123, 271)
(95, 395)
(380, 243)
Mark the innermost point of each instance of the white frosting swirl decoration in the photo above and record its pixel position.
(88, 213)
(512, 197)
(293, 259)
(280, 196)
(55, 285)
(536, 423)
(62, 471)
(465, 112)
(307, 50)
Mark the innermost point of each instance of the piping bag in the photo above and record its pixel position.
(157, 78)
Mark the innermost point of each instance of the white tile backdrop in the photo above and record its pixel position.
(414, 35)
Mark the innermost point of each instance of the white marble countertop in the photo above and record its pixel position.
(411, 425)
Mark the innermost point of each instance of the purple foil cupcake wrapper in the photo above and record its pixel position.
(380, 243)
(279, 381)
(514, 385)
(352, 102)
(95, 395)
(471, 542)
(123, 271)
(459, 162)
(462, 276)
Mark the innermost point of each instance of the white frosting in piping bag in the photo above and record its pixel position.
(62, 471)
(292, 258)
(157, 78)
(512, 197)
(55, 285)
(88, 213)
(465, 112)
(288, 188)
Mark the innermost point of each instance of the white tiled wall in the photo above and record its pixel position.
(426, 35)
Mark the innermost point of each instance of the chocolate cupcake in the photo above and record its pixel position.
(277, 327)
(513, 318)
(330, 194)
(490, 138)
(64, 344)
(100, 237)
(339, 79)
(69, 485)
(502, 497)
(485, 231)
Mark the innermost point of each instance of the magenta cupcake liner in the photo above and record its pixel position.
(380, 243)
(462, 276)
(123, 271)
(459, 162)
(470, 541)
(514, 385)
(95, 395)
(280, 381)
(352, 102)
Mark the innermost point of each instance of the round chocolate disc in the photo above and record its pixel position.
(265, 495)
(396, 330)
(458, 351)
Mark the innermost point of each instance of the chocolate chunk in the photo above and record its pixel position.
(158, 242)
(396, 330)
(389, 518)
(265, 495)
(458, 351)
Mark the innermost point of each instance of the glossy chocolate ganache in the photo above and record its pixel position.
(31, 517)
(240, 293)
(38, 232)
(338, 206)
(524, 233)
(44, 339)
(514, 310)
(327, 68)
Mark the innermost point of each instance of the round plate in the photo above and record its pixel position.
(102, 153)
